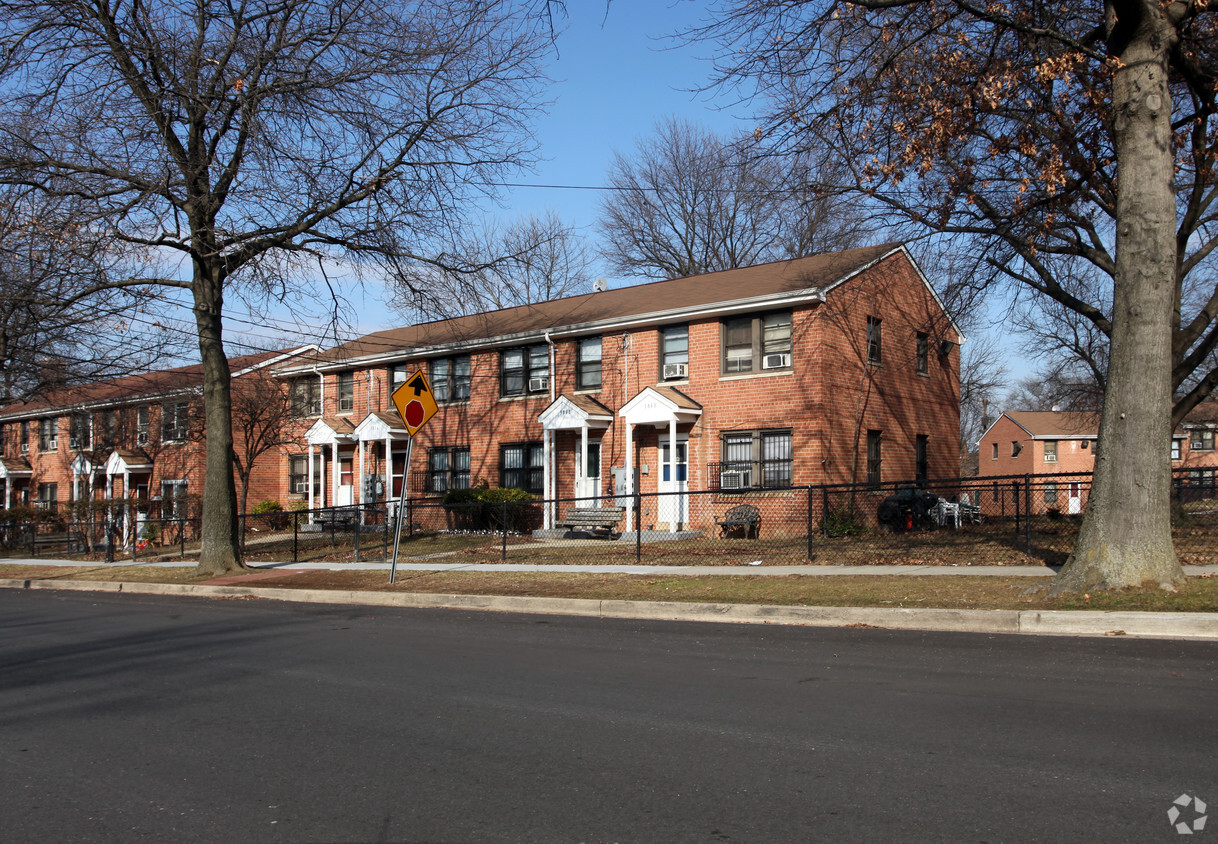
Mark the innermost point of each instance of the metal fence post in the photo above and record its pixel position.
(1027, 512)
(356, 525)
(638, 525)
(295, 540)
(1015, 500)
(810, 556)
(182, 535)
(244, 524)
(503, 516)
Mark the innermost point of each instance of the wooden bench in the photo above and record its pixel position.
(592, 519)
(743, 517)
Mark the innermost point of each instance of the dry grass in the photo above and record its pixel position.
(953, 592)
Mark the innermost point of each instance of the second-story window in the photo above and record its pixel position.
(1202, 439)
(524, 370)
(80, 434)
(588, 364)
(175, 423)
(25, 437)
(751, 344)
(142, 425)
(674, 352)
(922, 352)
(450, 378)
(48, 434)
(1050, 451)
(306, 396)
(875, 349)
(346, 392)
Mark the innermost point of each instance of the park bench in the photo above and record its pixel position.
(592, 519)
(743, 517)
(341, 516)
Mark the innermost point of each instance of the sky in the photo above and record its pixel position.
(616, 76)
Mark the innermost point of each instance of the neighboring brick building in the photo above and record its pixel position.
(826, 369)
(1052, 442)
(136, 437)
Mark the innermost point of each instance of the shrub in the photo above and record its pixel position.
(482, 508)
(272, 515)
(842, 522)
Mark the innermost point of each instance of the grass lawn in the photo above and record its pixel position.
(1200, 594)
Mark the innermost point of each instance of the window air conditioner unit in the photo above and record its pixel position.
(733, 480)
(53, 445)
(141, 438)
(1050, 458)
(346, 404)
(538, 384)
(315, 408)
(300, 487)
(776, 361)
(73, 443)
(676, 370)
(25, 448)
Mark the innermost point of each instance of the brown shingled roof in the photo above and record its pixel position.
(771, 279)
(132, 386)
(1057, 423)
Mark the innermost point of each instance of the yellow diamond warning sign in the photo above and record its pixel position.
(415, 402)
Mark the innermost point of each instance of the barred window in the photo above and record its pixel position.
(521, 466)
(448, 468)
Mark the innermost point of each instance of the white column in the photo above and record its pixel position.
(311, 492)
(388, 470)
(362, 471)
(333, 474)
(675, 500)
(630, 475)
(547, 478)
(583, 458)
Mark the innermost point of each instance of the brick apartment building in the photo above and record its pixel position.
(833, 368)
(136, 437)
(1062, 442)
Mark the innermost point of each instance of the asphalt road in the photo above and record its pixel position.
(127, 718)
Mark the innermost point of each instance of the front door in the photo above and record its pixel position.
(346, 482)
(1075, 502)
(673, 509)
(588, 480)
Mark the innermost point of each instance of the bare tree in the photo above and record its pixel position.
(534, 259)
(1007, 124)
(49, 338)
(228, 140)
(690, 202)
(264, 420)
(982, 378)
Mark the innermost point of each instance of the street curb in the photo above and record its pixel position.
(1160, 625)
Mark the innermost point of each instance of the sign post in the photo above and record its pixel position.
(416, 404)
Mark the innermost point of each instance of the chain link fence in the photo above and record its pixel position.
(1015, 520)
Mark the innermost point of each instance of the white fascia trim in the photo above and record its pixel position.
(290, 353)
(812, 294)
(101, 404)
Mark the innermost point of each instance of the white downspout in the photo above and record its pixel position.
(549, 474)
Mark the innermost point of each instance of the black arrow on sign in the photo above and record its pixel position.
(420, 385)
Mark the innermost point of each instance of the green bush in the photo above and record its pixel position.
(842, 522)
(271, 514)
(482, 509)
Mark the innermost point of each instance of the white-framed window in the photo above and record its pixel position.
(450, 378)
(80, 431)
(346, 392)
(175, 421)
(142, 425)
(1050, 451)
(48, 434)
(306, 395)
(1176, 448)
(524, 370)
(298, 474)
(588, 364)
(756, 343)
(1201, 439)
(173, 499)
(674, 352)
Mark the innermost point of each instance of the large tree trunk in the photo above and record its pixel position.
(221, 550)
(1125, 538)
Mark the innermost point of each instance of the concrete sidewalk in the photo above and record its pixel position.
(1197, 626)
(810, 570)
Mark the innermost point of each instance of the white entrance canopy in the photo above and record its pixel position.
(10, 470)
(333, 432)
(663, 407)
(387, 428)
(125, 462)
(567, 413)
